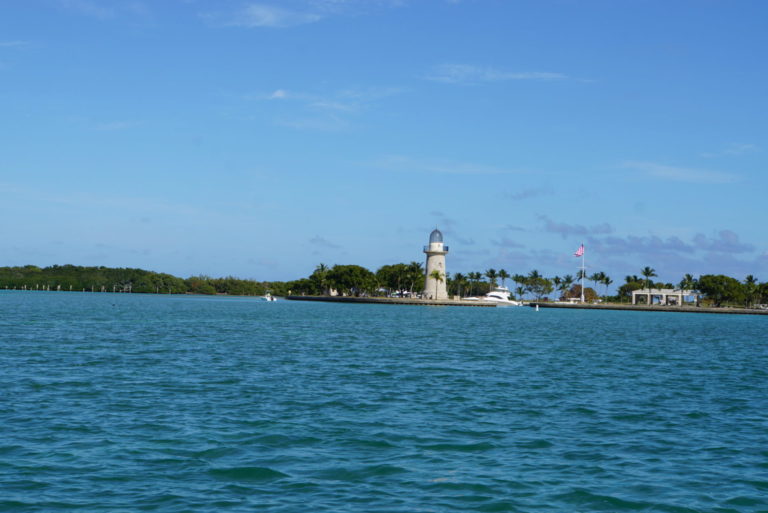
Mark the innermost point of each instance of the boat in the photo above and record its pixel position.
(498, 295)
(268, 297)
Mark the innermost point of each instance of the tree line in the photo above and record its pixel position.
(408, 279)
(402, 279)
(106, 279)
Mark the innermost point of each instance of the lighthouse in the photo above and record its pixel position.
(434, 287)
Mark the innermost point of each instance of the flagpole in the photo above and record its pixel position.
(583, 272)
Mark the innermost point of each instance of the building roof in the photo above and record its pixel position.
(435, 236)
(669, 292)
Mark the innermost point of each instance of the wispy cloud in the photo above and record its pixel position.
(322, 242)
(89, 8)
(566, 230)
(680, 174)
(640, 245)
(303, 12)
(727, 241)
(344, 99)
(407, 164)
(724, 241)
(735, 149)
(506, 242)
(443, 222)
(331, 111)
(264, 16)
(106, 10)
(112, 126)
(332, 102)
(468, 74)
(529, 193)
(12, 44)
(314, 124)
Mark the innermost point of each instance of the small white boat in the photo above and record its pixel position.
(268, 297)
(498, 295)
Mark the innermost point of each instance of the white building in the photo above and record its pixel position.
(436, 251)
(664, 296)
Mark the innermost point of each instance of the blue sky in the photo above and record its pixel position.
(258, 139)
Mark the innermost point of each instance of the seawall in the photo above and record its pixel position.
(656, 308)
(392, 301)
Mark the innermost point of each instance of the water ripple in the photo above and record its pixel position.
(129, 402)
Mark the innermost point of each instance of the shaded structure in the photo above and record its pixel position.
(665, 297)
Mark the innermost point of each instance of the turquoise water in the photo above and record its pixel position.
(163, 403)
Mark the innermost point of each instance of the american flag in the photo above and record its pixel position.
(580, 251)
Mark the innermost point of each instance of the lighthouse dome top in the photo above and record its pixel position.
(435, 236)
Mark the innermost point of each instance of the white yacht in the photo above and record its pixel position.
(268, 297)
(498, 295)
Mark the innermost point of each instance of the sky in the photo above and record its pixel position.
(259, 139)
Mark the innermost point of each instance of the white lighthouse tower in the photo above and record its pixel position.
(436, 251)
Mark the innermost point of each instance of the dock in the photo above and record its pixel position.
(393, 301)
(652, 308)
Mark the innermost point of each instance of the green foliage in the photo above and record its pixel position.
(437, 276)
(539, 286)
(625, 291)
(394, 277)
(575, 292)
(720, 289)
(352, 280)
(355, 280)
(750, 291)
(648, 273)
(78, 278)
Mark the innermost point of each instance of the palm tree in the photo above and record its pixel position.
(648, 273)
(415, 272)
(750, 288)
(596, 277)
(503, 275)
(473, 277)
(565, 284)
(557, 280)
(520, 280)
(491, 274)
(459, 279)
(607, 282)
(687, 283)
(438, 277)
(322, 275)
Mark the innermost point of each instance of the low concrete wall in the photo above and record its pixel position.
(391, 301)
(657, 308)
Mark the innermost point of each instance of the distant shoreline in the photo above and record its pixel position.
(393, 301)
(646, 308)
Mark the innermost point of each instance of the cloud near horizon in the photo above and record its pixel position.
(529, 193)
(322, 242)
(566, 230)
(725, 241)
